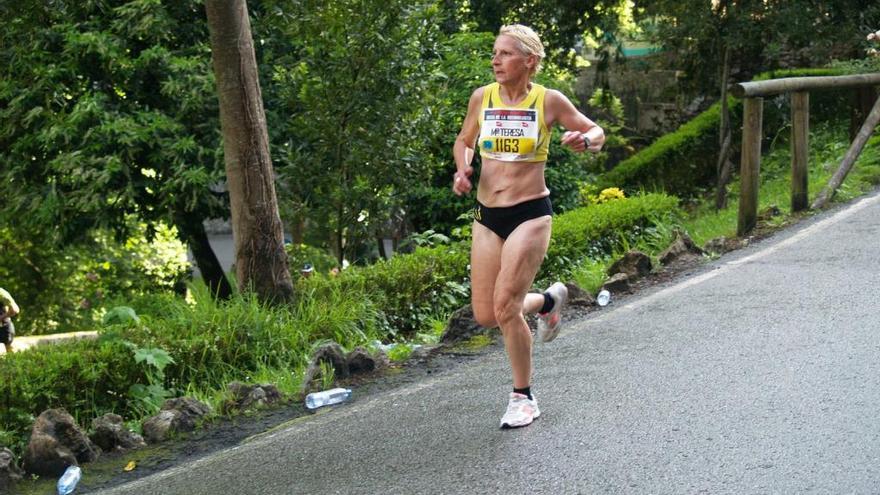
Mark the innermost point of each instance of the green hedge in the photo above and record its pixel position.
(683, 162)
(598, 230)
(86, 378)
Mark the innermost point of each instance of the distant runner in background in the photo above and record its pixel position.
(511, 121)
(8, 309)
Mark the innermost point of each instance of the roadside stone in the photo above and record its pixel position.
(111, 434)
(10, 474)
(635, 264)
(177, 416)
(330, 353)
(578, 297)
(721, 245)
(56, 443)
(682, 247)
(245, 396)
(462, 326)
(619, 282)
(361, 361)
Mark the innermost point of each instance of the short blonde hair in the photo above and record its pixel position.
(528, 40)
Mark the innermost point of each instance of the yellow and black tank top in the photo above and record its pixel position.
(513, 133)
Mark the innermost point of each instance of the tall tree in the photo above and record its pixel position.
(564, 25)
(352, 83)
(261, 262)
(107, 113)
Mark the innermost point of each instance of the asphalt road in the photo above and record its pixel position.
(759, 374)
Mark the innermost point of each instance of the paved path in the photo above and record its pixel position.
(759, 374)
(22, 343)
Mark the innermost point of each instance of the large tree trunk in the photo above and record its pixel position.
(260, 260)
(212, 272)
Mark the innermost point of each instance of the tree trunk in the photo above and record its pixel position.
(260, 259)
(723, 166)
(195, 236)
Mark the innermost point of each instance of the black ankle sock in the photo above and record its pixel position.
(525, 391)
(548, 304)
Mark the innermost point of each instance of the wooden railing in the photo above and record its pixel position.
(753, 94)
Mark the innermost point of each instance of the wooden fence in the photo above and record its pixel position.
(753, 94)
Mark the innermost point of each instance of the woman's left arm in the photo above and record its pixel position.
(582, 134)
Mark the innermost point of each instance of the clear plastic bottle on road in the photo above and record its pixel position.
(67, 482)
(327, 397)
(603, 298)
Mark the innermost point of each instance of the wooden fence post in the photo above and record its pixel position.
(750, 166)
(800, 131)
(849, 158)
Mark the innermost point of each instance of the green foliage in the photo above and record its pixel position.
(595, 231)
(561, 24)
(828, 144)
(120, 315)
(683, 162)
(352, 83)
(65, 288)
(88, 378)
(413, 289)
(761, 35)
(107, 109)
(298, 255)
(148, 398)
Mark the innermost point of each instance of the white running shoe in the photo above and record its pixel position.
(549, 323)
(520, 411)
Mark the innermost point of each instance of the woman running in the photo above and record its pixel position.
(510, 120)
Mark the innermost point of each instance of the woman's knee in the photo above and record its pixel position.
(507, 308)
(485, 316)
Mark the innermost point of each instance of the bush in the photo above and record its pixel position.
(62, 289)
(596, 231)
(409, 289)
(683, 162)
(86, 377)
(300, 254)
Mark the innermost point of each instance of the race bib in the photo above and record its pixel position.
(509, 133)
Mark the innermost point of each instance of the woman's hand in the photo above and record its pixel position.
(461, 181)
(579, 142)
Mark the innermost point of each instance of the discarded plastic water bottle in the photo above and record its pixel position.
(327, 397)
(67, 482)
(603, 298)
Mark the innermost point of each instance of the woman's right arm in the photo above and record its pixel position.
(463, 149)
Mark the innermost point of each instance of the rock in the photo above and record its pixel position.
(682, 247)
(111, 434)
(245, 396)
(330, 353)
(635, 264)
(619, 282)
(57, 442)
(462, 326)
(10, 474)
(360, 361)
(579, 297)
(177, 416)
(721, 245)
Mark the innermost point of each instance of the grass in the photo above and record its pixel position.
(828, 144)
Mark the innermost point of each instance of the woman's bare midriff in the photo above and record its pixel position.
(505, 184)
